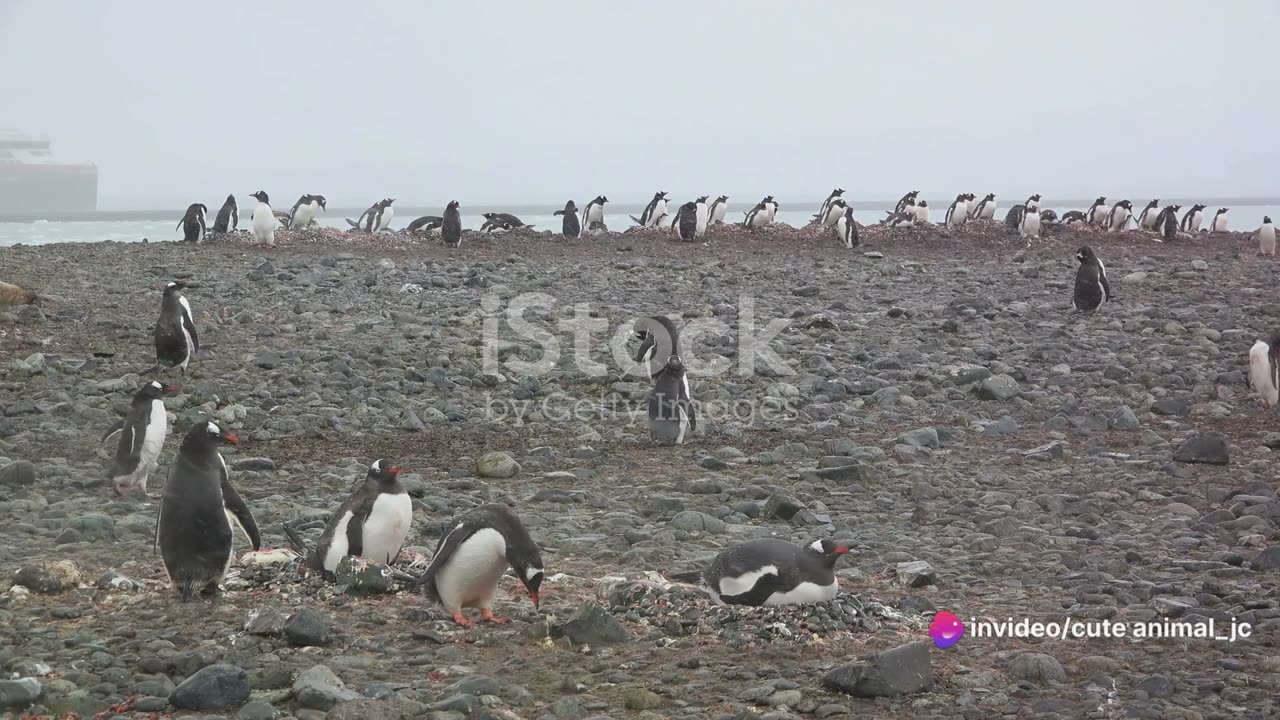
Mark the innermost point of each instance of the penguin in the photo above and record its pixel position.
(1013, 218)
(511, 221)
(701, 216)
(1167, 222)
(772, 571)
(569, 226)
(958, 212)
(1118, 218)
(192, 223)
(1032, 203)
(1147, 220)
(907, 200)
(142, 433)
(833, 212)
(371, 523)
(593, 214)
(685, 223)
(847, 229)
(658, 338)
(970, 202)
(757, 216)
(718, 209)
(771, 207)
(986, 208)
(1073, 216)
(903, 219)
(1048, 217)
(472, 557)
(451, 227)
(921, 209)
(425, 224)
(1264, 369)
(176, 339)
(228, 216)
(671, 410)
(1219, 223)
(494, 226)
(1266, 237)
(1192, 219)
(304, 211)
(654, 212)
(823, 210)
(264, 221)
(1030, 227)
(1092, 288)
(198, 514)
(1096, 212)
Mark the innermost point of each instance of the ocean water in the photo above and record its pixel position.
(41, 232)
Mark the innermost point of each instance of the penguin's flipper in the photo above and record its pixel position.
(355, 534)
(238, 510)
(558, 212)
(445, 551)
(693, 577)
(155, 541)
(636, 219)
(116, 428)
(352, 223)
(296, 541)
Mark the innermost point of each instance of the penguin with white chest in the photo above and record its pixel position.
(451, 227)
(1219, 223)
(175, 335)
(1264, 369)
(701, 216)
(719, 207)
(228, 216)
(671, 409)
(1147, 220)
(957, 212)
(654, 212)
(658, 338)
(1167, 222)
(264, 221)
(762, 214)
(198, 514)
(685, 223)
(1029, 228)
(1192, 219)
(425, 225)
(847, 229)
(372, 523)
(906, 201)
(142, 434)
(824, 210)
(1118, 218)
(305, 211)
(921, 209)
(1092, 288)
(1266, 237)
(986, 209)
(192, 223)
(569, 225)
(772, 571)
(1097, 212)
(472, 557)
(833, 212)
(593, 213)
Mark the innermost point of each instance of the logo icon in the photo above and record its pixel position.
(946, 629)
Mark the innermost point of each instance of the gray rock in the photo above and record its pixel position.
(903, 670)
(19, 693)
(1210, 448)
(497, 465)
(1268, 559)
(359, 576)
(308, 627)
(212, 687)
(783, 507)
(1170, 406)
(1037, 667)
(998, 387)
(1156, 686)
(1124, 419)
(259, 464)
(372, 710)
(917, 573)
(694, 521)
(857, 472)
(319, 688)
(266, 621)
(592, 625)
(258, 710)
(461, 703)
(18, 473)
(94, 526)
(49, 578)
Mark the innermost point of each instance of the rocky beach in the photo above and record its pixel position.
(938, 407)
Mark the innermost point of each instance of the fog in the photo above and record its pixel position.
(519, 102)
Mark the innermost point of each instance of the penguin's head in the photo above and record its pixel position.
(203, 210)
(602, 199)
(1102, 199)
(319, 200)
(174, 286)
(1266, 219)
(1221, 210)
(570, 206)
(487, 216)
(924, 203)
(1036, 197)
(383, 471)
(837, 192)
(387, 202)
(453, 205)
(1085, 254)
(827, 549)
(991, 196)
(674, 364)
(155, 390)
(1153, 203)
(208, 436)
(231, 199)
(703, 199)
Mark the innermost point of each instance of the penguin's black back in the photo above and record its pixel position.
(451, 228)
(1088, 291)
(688, 221)
(194, 533)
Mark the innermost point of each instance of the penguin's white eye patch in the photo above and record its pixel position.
(816, 546)
(156, 385)
(214, 429)
(376, 466)
(532, 572)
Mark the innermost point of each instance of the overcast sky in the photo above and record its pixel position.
(530, 102)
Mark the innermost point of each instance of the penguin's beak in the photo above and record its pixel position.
(171, 389)
(840, 550)
(396, 469)
(533, 595)
(230, 439)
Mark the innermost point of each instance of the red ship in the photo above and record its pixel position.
(33, 180)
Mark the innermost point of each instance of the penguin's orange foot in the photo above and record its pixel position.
(487, 615)
(462, 620)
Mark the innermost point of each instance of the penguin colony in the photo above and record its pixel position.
(201, 512)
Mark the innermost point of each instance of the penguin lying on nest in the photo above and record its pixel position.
(770, 571)
(13, 295)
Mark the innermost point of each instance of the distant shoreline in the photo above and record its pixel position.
(632, 208)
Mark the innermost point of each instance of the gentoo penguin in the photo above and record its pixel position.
(425, 224)
(176, 340)
(1147, 220)
(451, 228)
(378, 217)
(511, 221)
(198, 512)
(1266, 237)
(1073, 216)
(142, 434)
(1192, 219)
(771, 207)
(228, 216)
(1097, 212)
(833, 211)
(1264, 369)
(701, 216)
(192, 224)
(472, 556)
(957, 212)
(654, 212)
(671, 410)
(1013, 218)
(758, 216)
(921, 209)
(1219, 223)
(304, 212)
(685, 223)
(970, 202)
(1092, 288)
(1030, 227)
(824, 209)
(264, 221)
(1167, 222)
(593, 214)
(719, 207)
(771, 571)
(847, 229)
(904, 219)
(1048, 217)
(1118, 218)
(658, 338)
(494, 225)
(907, 201)
(986, 208)
(570, 227)
(1032, 202)
(371, 523)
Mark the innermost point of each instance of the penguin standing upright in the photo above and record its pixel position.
(378, 217)
(847, 229)
(192, 223)
(1264, 369)
(1219, 223)
(451, 229)
(142, 434)
(176, 340)
(1029, 229)
(770, 207)
(1266, 237)
(228, 216)
(654, 212)
(264, 221)
(593, 214)
(824, 209)
(371, 523)
(833, 212)
(1118, 218)
(922, 211)
(472, 557)
(1192, 219)
(659, 339)
(1013, 218)
(198, 512)
(957, 212)
(569, 226)
(701, 216)
(718, 209)
(1097, 212)
(1167, 222)
(671, 409)
(304, 211)
(1147, 220)
(772, 571)
(986, 208)
(1092, 288)
(685, 223)
(906, 201)
(759, 216)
